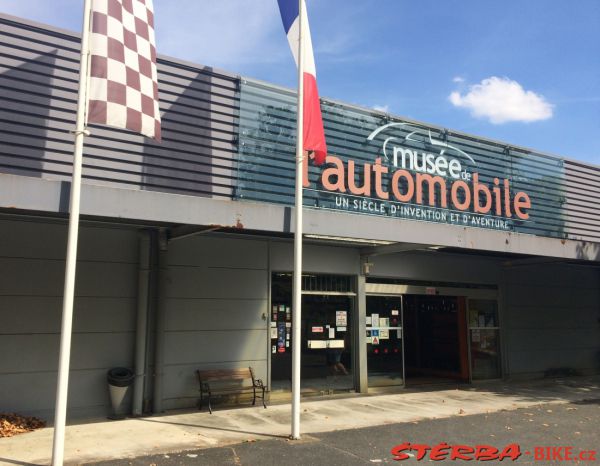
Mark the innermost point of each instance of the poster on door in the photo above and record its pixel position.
(341, 318)
(281, 337)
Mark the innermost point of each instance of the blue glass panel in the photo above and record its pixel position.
(266, 167)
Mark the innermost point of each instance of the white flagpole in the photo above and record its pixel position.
(297, 285)
(62, 386)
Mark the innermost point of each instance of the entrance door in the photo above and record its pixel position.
(326, 325)
(385, 365)
(435, 339)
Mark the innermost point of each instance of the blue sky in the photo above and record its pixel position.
(526, 72)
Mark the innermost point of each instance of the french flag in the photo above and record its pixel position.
(313, 132)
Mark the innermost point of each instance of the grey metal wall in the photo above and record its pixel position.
(32, 270)
(216, 312)
(38, 96)
(437, 266)
(582, 190)
(552, 319)
(315, 258)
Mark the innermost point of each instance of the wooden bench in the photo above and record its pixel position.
(229, 381)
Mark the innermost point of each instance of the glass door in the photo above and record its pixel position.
(384, 339)
(484, 339)
(326, 330)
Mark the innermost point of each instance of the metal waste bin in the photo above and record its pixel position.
(119, 380)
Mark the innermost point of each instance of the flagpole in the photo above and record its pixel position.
(297, 284)
(62, 386)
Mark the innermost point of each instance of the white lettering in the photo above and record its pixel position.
(454, 168)
(441, 164)
(426, 163)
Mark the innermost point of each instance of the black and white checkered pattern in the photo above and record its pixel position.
(123, 88)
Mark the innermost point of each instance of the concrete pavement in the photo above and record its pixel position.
(540, 435)
(178, 431)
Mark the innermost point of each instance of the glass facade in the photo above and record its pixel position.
(326, 332)
(265, 168)
(484, 339)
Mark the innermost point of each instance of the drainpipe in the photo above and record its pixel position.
(141, 331)
(159, 357)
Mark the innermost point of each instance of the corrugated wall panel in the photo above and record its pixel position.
(217, 298)
(582, 200)
(38, 94)
(32, 266)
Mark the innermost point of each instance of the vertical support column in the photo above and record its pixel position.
(360, 346)
(141, 331)
(159, 357)
(504, 320)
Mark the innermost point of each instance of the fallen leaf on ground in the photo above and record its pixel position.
(13, 424)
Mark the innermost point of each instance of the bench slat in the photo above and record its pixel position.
(225, 374)
(224, 381)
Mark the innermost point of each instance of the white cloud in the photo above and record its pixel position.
(382, 108)
(501, 100)
(458, 79)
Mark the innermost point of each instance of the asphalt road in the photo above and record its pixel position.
(575, 425)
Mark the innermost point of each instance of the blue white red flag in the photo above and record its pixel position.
(313, 132)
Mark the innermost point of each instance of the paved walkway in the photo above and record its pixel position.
(195, 430)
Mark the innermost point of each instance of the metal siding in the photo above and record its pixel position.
(38, 93)
(552, 319)
(216, 312)
(582, 201)
(32, 267)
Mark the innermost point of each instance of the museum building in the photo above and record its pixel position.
(430, 256)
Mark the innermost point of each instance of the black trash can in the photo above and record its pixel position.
(119, 380)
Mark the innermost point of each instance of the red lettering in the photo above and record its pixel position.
(365, 189)
(439, 452)
(522, 201)
(479, 188)
(432, 181)
(410, 188)
(307, 156)
(459, 452)
(569, 453)
(398, 451)
(380, 170)
(557, 453)
(538, 453)
(512, 451)
(486, 453)
(336, 172)
(421, 451)
(454, 195)
(497, 197)
(507, 198)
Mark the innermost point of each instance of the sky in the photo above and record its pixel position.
(526, 72)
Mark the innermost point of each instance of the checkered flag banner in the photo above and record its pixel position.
(123, 85)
